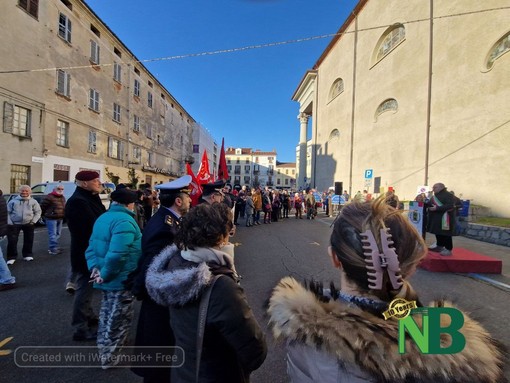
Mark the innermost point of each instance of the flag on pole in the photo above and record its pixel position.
(203, 175)
(196, 189)
(222, 167)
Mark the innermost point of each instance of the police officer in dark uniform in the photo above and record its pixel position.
(154, 323)
(213, 192)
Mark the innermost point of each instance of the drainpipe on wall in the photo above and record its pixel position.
(429, 94)
(129, 114)
(315, 121)
(353, 101)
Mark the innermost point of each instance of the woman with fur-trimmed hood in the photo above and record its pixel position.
(233, 343)
(341, 335)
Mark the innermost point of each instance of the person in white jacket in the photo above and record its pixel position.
(22, 214)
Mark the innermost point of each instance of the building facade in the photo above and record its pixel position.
(203, 140)
(251, 167)
(286, 175)
(74, 97)
(409, 94)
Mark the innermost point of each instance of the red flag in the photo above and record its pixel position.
(196, 189)
(222, 168)
(203, 175)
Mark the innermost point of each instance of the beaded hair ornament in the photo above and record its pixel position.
(378, 262)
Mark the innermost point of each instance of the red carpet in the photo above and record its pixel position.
(462, 261)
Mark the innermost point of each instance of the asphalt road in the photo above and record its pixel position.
(37, 313)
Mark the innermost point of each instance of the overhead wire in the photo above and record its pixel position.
(255, 46)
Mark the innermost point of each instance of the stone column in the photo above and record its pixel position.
(303, 119)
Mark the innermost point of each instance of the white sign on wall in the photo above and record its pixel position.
(38, 160)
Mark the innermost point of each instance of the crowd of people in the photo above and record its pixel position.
(272, 205)
(179, 262)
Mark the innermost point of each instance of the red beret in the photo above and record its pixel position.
(87, 175)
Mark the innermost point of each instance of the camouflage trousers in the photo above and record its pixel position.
(115, 319)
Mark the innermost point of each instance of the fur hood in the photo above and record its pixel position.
(175, 277)
(361, 339)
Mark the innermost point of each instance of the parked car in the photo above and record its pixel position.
(69, 188)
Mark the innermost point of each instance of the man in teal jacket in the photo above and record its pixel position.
(113, 253)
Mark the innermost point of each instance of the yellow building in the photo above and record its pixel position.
(410, 93)
(285, 175)
(74, 97)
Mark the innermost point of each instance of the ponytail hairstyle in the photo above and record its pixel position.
(349, 242)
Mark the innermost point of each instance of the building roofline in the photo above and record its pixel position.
(357, 9)
(136, 59)
(302, 84)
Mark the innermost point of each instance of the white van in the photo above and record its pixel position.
(70, 187)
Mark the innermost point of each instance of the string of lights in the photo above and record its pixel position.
(253, 47)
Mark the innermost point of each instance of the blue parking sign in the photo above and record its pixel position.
(369, 173)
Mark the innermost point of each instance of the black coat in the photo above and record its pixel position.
(233, 345)
(3, 216)
(435, 217)
(158, 233)
(153, 327)
(81, 211)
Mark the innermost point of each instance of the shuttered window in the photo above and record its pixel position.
(63, 83)
(117, 72)
(31, 6)
(92, 142)
(64, 27)
(94, 52)
(136, 90)
(17, 120)
(116, 112)
(94, 100)
(115, 148)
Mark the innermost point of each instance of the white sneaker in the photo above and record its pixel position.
(445, 252)
(28, 259)
(11, 261)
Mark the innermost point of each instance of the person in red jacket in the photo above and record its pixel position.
(53, 209)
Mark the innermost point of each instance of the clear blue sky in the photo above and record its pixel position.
(243, 96)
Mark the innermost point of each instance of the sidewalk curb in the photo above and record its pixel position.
(490, 281)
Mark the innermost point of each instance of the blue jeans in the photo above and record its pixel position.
(54, 230)
(5, 274)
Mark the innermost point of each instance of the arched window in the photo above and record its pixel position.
(498, 50)
(336, 88)
(387, 105)
(390, 39)
(335, 134)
